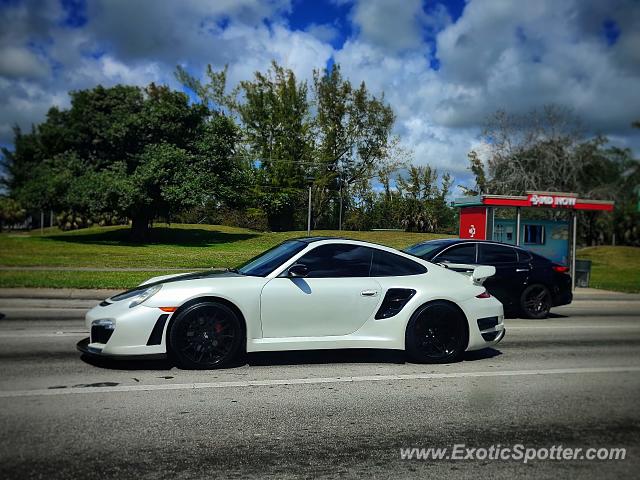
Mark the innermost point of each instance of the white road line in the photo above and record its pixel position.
(42, 334)
(312, 381)
(550, 328)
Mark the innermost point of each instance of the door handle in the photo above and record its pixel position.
(369, 293)
(522, 269)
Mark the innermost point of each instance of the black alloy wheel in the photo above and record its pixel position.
(436, 333)
(206, 335)
(535, 301)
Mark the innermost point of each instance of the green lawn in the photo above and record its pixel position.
(180, 246)
(614, 268)
(202, 246)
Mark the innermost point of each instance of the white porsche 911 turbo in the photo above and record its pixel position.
(304, 294)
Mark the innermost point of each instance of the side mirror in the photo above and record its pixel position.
(480, 274)
(298, 270)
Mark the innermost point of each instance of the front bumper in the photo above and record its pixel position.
(85, 347)
(118, 330)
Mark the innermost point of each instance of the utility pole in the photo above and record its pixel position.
(340, 213)
(310, 180)
(309, 214)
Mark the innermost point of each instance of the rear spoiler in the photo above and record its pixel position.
(481, 273)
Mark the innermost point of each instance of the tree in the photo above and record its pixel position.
(277, 128)
(533, 151)
(477, 168)
(353, 134)
(335, 133)
(11, 212)
(424, 204)
(136, 152)
(547, 150)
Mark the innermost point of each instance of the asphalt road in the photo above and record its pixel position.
(572, 380)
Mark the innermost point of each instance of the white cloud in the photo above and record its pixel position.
(324, 32)
(497, 55)
(17, 62)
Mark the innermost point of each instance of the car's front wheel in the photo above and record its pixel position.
(535, 301)
(436, 333)
(206, 335)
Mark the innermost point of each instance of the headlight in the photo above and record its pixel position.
(145, 295)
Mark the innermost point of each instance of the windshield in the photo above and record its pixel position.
(265, 263)
(423, 250)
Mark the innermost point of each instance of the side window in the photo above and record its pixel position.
(523, 256)
(463, 253)
(338, 260)
(497, 254)
(534, 234)
(386, 264)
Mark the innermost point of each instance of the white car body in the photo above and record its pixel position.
(284, 313)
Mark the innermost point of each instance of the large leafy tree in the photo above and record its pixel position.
(353, 135)
(334, 133)
(137, 152)
(277, 126)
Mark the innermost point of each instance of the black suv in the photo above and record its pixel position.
(526, 283)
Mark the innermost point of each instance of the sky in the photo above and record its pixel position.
(443, 66)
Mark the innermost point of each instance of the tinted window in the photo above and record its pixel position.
(534, 234)
(338, 260)
(523, 256)
(497, 254)
(464, 253)
(265, 263)
(386, 264)
(424, 250)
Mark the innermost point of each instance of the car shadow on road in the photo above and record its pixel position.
(316, 357)
(297, 357)
(348, 356)
(117, 364)
(483, 354)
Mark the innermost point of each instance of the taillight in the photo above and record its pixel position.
(560, 268)
(484, 294)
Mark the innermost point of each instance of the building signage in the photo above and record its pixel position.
(473, 223)
(542, 200)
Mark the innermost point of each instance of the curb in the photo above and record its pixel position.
(58, 293)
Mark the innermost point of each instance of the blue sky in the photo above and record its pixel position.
(444, 66)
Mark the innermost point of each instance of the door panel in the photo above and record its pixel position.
(510, 275)
(314, 307)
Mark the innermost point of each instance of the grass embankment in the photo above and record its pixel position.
(186, 247)
(183, 247)
(613, 268)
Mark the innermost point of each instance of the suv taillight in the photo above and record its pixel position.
(560, 268)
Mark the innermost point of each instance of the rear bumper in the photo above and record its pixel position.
(562, 295)
(561, 290)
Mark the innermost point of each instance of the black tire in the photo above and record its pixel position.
(535, 301)
(436, 333)
(206, 335)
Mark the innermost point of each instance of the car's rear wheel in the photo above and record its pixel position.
(535, 301)
(206, 335)
(436, 333)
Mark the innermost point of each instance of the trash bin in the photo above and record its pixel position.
(583, 273)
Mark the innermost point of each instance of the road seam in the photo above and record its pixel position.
(311, 381)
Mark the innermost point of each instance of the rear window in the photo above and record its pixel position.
(386, 264)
